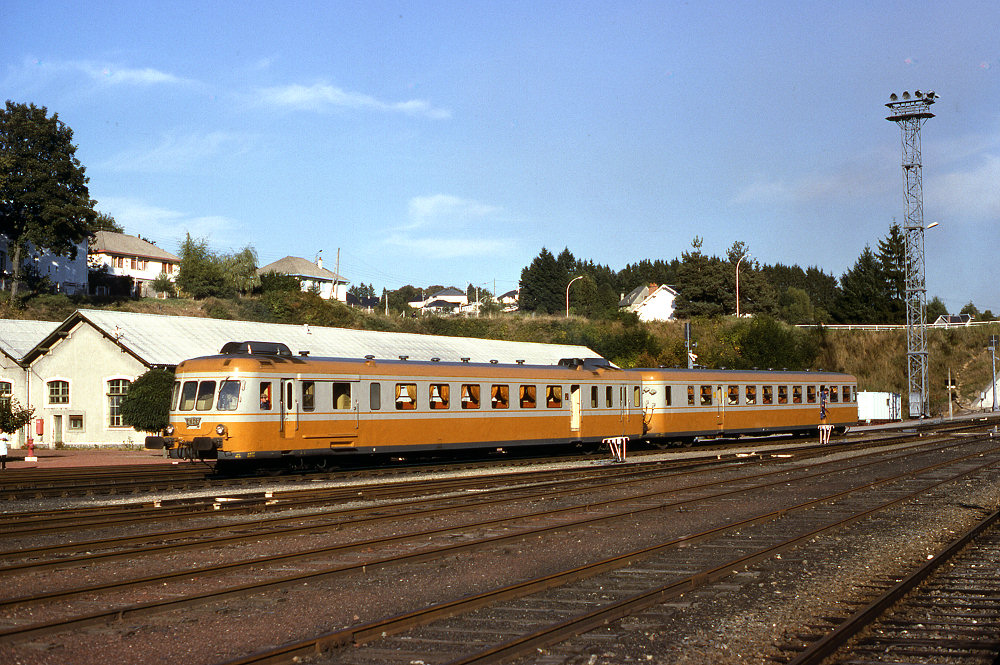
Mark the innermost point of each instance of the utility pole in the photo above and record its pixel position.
(909, 112)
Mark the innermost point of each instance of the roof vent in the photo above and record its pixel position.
(494, 362)
(435, 360)
(256, 349)
(465, 360)
(519, 362)
(404, 357)
(303, 353)
(369, 357)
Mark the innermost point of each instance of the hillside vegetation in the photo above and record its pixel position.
(877, 359)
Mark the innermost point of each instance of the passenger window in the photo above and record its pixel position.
(594, 399)
(768, 394)
(751, 394)
(553, 397)
(206, 396)
(229, 396)
(342, 395)
(782, 394)
(440, 395)
(690, 395)
(375, 396)
(834, 395)
(811, 394)
(796, 394)
(500, 397)
(308, 395)
(609, 397)
(188, 395)
(847, 394)
(177, 393)
(734, 395)
(635, 396)
(666, 395)
(265, 395)
(470, 395)
(706, 395)
(528, 397)
(406, 396)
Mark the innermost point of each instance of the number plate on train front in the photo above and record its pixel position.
(192, 423)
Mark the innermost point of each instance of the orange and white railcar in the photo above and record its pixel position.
(256, 401)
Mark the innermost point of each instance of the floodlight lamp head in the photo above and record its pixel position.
(906, 95)
(918, 93)
(893, 97)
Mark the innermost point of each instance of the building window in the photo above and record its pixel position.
(140, 264)
(75, 422)
(58, 392)
(117, 389)
(5, 392)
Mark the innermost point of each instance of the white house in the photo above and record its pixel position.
(509, 300)
(448, 299)
(329, 284)
(17, 338)
(129, 256)
(67, 274)
(650, 302)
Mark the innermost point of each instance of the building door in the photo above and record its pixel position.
(57, 430)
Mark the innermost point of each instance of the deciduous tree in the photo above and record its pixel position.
(44, 198)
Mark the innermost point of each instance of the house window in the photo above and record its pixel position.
(117, 389)
(58, 392)
(75, 422)
(118, 261)
(5, 392)
(139, 264)
(168, 268)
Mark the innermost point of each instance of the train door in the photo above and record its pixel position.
(289, 409)
(575, 406)
(720, 409)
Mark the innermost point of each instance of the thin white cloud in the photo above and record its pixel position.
(178, 151)
(167, 228)
(323, 97)
(444, 221)
(972, 194)
(103, 73)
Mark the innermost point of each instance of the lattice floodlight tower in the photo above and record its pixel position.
(909, 112)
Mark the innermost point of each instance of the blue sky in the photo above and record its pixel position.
(448, 142)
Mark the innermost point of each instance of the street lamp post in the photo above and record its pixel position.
(567, 293)
(738, 284)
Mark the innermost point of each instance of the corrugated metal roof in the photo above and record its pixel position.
(17, 336)
(167, 340)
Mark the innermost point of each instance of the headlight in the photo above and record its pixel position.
(220, 429)
(168, 430)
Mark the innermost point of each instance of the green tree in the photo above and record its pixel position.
(163, 284)
(202, 274)
(706, 285)
(543, 284)
(892, 257)
(146, 406)
(44, 198)
(864, 294)
(935, 308)
(13, 416)
(105, 222)
(240, 269)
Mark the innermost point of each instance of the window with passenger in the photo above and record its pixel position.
(834, 395)
(690, 395)
(847, 394)
(796, 394)
(342, 395)
(810, 394)
(706, 395)
(229, 396)
(782, 394)
(308, 395)
(751, 394)
(767, 394)
(265, 395)
(734, 395)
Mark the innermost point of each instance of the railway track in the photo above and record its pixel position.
(552, 511)
(947, 610)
